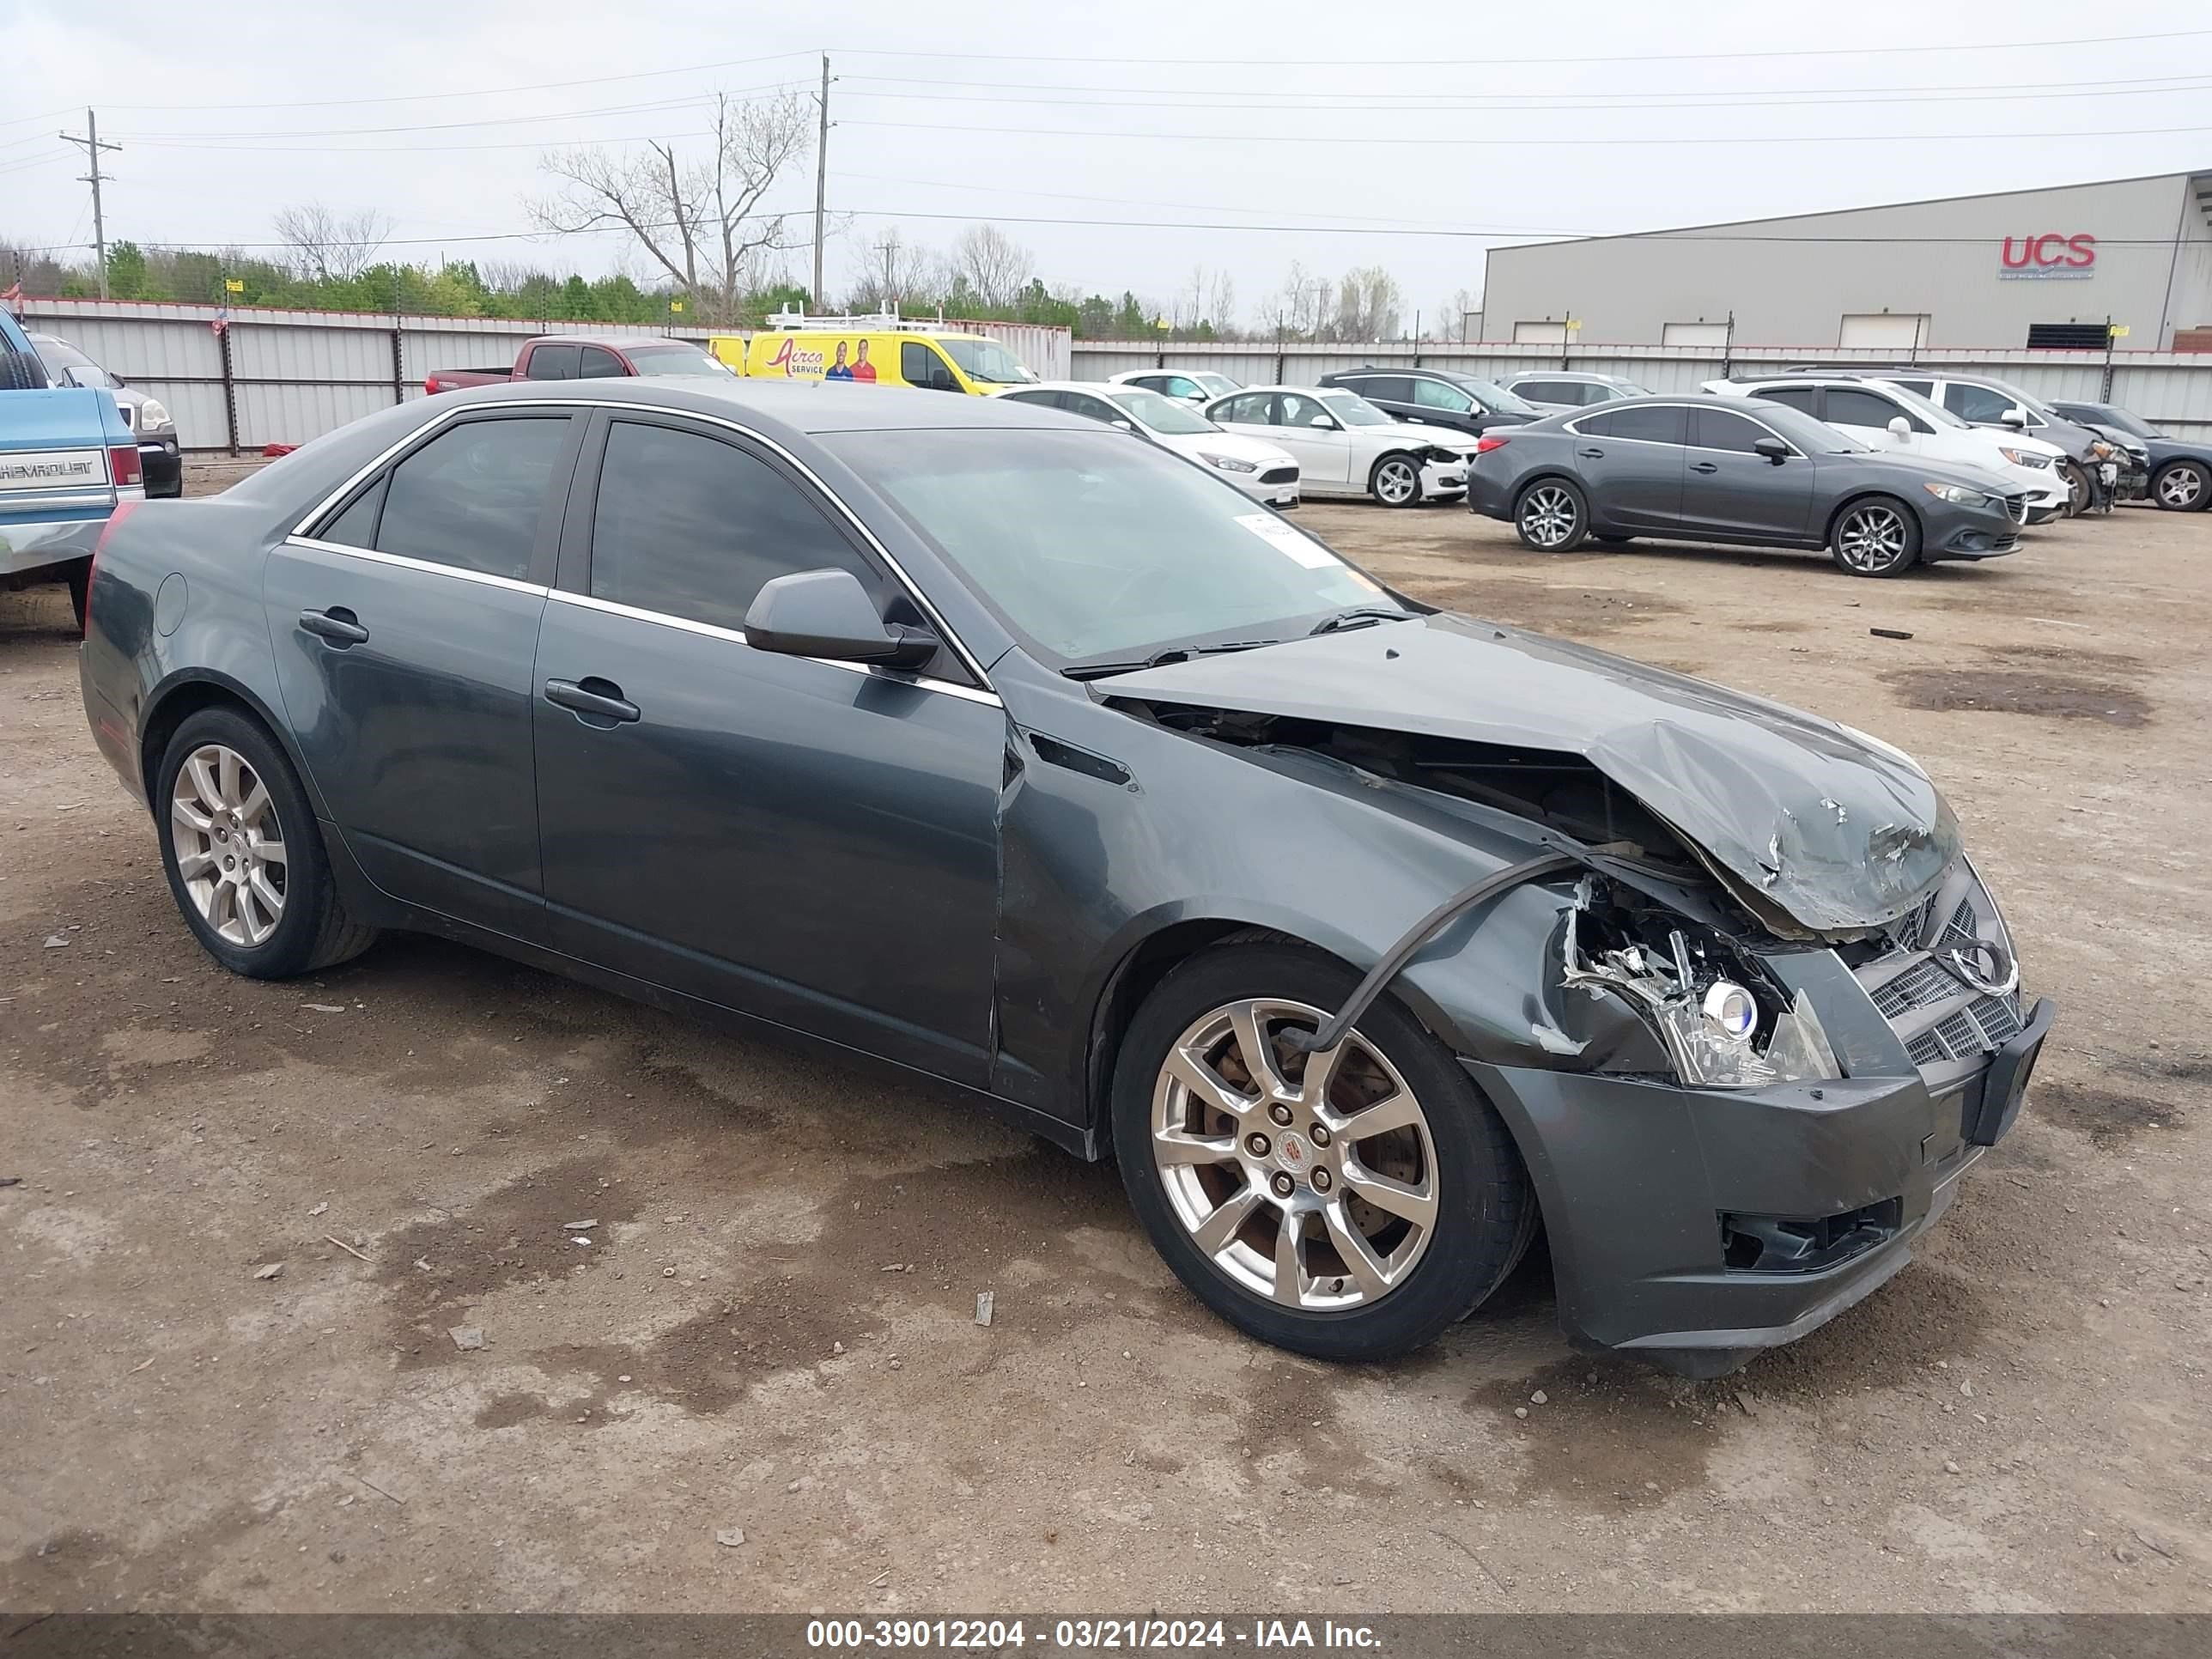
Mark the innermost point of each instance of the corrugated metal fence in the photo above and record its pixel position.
(286, 376)
(2172, 391)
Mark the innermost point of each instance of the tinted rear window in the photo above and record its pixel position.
(1656, 423)
(471, 498)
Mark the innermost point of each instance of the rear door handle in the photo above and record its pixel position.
(592, 696)
(337, 624)
(1591, 455)
(1705, 466)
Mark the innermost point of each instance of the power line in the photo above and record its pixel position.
(690, 102)
(1518, 143)
(93, 146)
(2163, 36)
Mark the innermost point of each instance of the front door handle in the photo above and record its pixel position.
(1705, 466)
(592, 696)
(337, 624)
(1591, 455)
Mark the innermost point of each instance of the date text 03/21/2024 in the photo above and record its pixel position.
(1084, 1635)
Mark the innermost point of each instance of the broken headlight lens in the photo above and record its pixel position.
(1709, 1021)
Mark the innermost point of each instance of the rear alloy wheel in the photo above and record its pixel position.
(1552, 517)
(1875, 538)
(1396, 481)
(1349, 1204)
(243, 852)
(2182, 486)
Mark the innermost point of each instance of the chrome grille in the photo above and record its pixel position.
(1959, 930)
(1921, 986)
(1942, 1021)
(2016, 508)
(1981, 1028)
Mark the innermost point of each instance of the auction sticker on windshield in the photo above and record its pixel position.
(1307, 551)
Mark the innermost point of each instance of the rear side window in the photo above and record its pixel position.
(1391, 388)
(689, 526)
(1797, 397)
(1549, 392)
(1251, 409)
(1926, 388)
(1851, 405)
(1661, 423)
(551, 362)
(1041, 399)
(356, 526)
(471, 498)
(601, 364)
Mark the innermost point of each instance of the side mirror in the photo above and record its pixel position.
(1126, 426)
(2014, 416)
(827, 613)
(1899, 428)
(1323, 422)
(1773, 448)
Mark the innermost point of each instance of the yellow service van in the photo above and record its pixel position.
(873, 352)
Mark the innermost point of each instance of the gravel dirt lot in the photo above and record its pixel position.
(772, 1329)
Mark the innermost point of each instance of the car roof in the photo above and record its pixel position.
(1565, 374)
(804, 408)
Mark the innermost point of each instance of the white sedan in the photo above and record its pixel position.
(1192, 385)
(1265, 471)
(1345, 445)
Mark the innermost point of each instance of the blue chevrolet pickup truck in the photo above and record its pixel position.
(69, 463)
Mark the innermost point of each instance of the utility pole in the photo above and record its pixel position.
(821, 181)
(92, 148)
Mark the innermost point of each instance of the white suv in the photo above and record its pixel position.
(1886, 416)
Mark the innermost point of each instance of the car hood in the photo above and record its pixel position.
(1837, 833)
(1972, 474)
(1445, 437)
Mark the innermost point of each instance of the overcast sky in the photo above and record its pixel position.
(1318, 130)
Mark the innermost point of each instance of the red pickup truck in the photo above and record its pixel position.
(571, 357)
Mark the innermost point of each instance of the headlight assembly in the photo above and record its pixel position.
(1709, 1021)
(2026, 458)
(152, 416)
(1226, 463)
(2101, 450)
(1957, 494)
(1439, 456)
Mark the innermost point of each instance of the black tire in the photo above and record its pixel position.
(20, 372)
(314, 930)
(1484, 1213)
(1860, 548)
(1394, 480)
(1552, 516)
(2190, 484)
(2079, 495)
(79, 578)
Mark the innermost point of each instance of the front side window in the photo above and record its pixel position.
(690, 526)
(551, 362)
(1851, 405)
(471, 498)
(1179, 386)
(1353, 409)
(1720, 428)
(1091, 407)
(1041, 399)
(1551, 391)
(1095, 549)
(1296, 409)
(1435, 394)
(1976, 403)
(920, 366)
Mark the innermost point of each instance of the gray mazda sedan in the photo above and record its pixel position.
(1373, 941)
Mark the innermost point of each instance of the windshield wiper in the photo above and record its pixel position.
(1357, 616)
(1099, 671)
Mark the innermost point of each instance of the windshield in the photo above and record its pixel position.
(1493, 397)
(1171, 415)
(658, 361)
(1926, 408)
(1095, 549)
(1216, 385)
(2105, 415)
(65, 360)
(1814, 437)
(988, 360)
(1353, 409)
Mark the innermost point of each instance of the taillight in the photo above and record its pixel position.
(1489, 441)
(123, 466)
(431, 386)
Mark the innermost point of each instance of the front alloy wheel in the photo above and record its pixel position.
(1349, 1204)
(1875, 539)
(2182, 486)
(1307, 1178)
(1397, 482)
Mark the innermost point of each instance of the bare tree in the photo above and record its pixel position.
(1368, 301)
(1303, 301)
(996, 267)
(1221, 303)
(1456, 315)
(327, 245)
(698, 219)
(894, 271)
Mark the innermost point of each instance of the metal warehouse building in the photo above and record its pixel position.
(2021, 268)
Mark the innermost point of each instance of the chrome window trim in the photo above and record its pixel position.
(1574, 426)
(428, 566)
(736, 637)
(459, 411)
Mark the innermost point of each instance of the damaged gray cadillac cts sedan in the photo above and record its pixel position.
(1369, 939)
